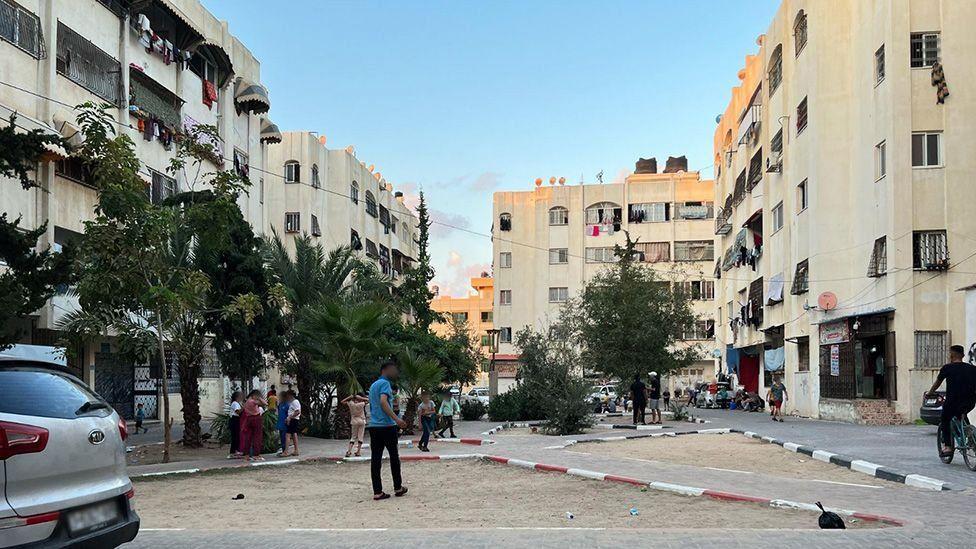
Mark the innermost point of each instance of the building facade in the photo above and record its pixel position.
(843, 227)
(548, 242)
(476, 310)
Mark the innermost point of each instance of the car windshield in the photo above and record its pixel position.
(38, 392)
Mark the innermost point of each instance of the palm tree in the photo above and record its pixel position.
(416, 375)
(345, 343)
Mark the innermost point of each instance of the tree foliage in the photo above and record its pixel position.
(414, 294)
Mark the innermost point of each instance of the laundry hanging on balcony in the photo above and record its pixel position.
(939, 81)
(251, 97)
(774, 359)
(270, 132)
(775, 293)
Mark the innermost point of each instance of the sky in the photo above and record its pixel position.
(460, 98)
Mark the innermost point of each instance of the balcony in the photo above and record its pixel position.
(722, 224)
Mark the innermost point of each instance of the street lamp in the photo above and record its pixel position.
(492, 375)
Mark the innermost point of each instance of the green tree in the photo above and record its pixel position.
(414, 294)
(416, 375)
(453, 358)
(630, 321)
(30, 276)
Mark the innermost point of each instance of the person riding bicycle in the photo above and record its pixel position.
(960, 394)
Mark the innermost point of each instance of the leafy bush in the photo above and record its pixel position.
(505, 406)
(220, 431)
(679, 412)
(472, 410)
(568, 411)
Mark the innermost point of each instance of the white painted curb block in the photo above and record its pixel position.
(864, 466)
(587, 474)
(677, 488)
(920, 481)
(823, 455)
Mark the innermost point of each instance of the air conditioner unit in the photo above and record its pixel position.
(774, 163)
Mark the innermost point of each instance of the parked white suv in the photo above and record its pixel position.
(62, 462)
(478, 393)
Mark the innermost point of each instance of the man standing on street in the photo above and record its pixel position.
(654, 403)
(960, 394)
(638, 395)
(383, 424)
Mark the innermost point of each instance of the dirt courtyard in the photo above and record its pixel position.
(730, 452)
(469, 494)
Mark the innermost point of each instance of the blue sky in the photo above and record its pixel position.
(463, 98)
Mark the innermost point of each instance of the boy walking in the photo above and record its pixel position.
(428, 419)
(383, 424)
(449, 407)
(776, 395)
(140, 417)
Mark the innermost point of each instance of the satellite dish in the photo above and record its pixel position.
(827, 301)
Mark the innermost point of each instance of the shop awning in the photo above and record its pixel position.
(883, 311)
(269, 132)
(216, 54)
(185, 35)
(752, 218)
(251, 97)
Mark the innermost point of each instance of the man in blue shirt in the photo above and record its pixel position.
(383, 431)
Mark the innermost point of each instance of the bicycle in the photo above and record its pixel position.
(963, 439)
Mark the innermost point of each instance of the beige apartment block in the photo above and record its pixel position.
(844, 176)
(474, 309)
(550, 240)
(339, 201)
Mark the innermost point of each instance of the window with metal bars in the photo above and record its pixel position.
(801, 116)
(931, 348)
(776, 143)
(75, 169)
(293, 222)
(878, 264)
(775, 69)
(153, 98)
(21, 28)
(801, 278)
(87, 65)
(316, 230)
(162, 188)
(604, 212)
(315, 177)
(740, 189)
(384, 259)
(924, 49)
(371, 250)
(354, 192)
(756, 301)
(800, 32)
(371, 208)
(385, 219)
(756, 170)
(931, 251)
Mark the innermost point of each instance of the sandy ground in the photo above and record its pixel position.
(150, 454)
(730, 452)
(465, 494)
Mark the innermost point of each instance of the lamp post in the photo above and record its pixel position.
(492, 375)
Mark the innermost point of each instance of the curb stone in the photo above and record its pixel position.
(862, 466)
(644, 435)
(511, 425)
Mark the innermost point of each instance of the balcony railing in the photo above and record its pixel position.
(722, 224)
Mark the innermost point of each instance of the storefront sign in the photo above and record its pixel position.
(834, 332)
(835, 360)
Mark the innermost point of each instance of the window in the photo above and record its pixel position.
(699, 330)
(653, 252)
(354, 241)
(776, 144)
(74, 169)
(558, 295)
(504, 297)
(800, 32)
(486, 316)
(293, 172)
(385, 219)
(931, 349)
(880, 160)
(558, 256)
(316, 230)
(801, 196)
(21, 28)
(694, 210)
(801, 116)
(163, 187)
(505, 222)
(756, 170)
(604, 212)
(87, 65)
(694, 250)
(801, 278)
(558, 216)
(648, 212)
(878, 264)
(505, 260)
(879, 68)
(803, 354)
(371, 204)
(459, 317)
(699, 290)
(775, 69)
(315, 177)
(371, 250)
(926, 149)
(354, 192)
(393, 223)
(293, 222)
(600, 255)
(931, 253)
(777, 217)
(924, 49)
(505, 335)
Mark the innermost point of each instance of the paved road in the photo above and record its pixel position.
(933, 519)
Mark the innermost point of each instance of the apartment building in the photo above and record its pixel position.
(476, 310)
(843, 173)
(549, 241)
(339, 201)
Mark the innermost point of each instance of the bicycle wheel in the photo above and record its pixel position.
(938, 448)
(969, 451)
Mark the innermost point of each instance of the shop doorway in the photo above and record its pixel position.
(749, 372)
(874, 366)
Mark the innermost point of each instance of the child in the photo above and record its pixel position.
(449, 407)
(252, 428)
(140, 417)
(293, 420)
(357, 422)
(234, 425)
(428, 419)
(282, 425)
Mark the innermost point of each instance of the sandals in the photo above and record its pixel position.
(401, 492)
(381, 495)
(349, 453)
(358, 454)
